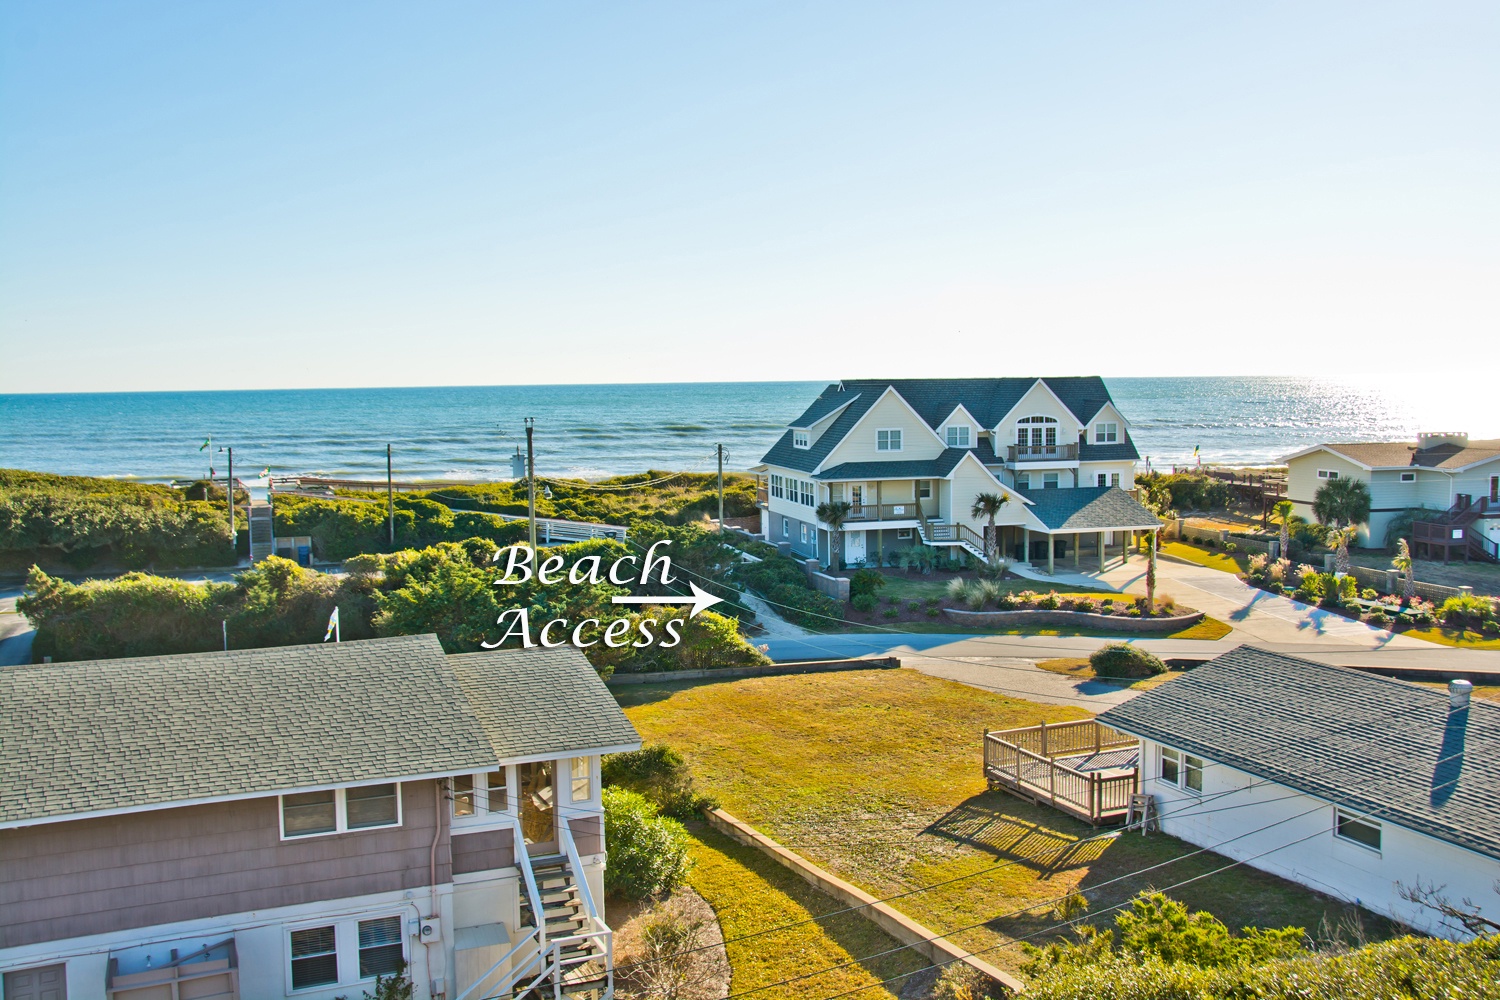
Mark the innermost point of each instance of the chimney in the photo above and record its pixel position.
(1435, 439)
(1458, 695)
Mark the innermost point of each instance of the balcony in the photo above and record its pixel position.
(1020, 454)
(865, 512)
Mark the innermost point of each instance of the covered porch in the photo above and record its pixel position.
(1084, 528)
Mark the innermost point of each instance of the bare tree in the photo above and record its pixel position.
(1465, 911)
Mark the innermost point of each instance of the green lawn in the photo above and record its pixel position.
(876, 776)
(1208, 628)
(750, 893)
(1453, 637)
(1228, 562)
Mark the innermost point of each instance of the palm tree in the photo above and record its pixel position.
(1341, 537)
(988, 505)
(1342, 502)
(1283, 511)
(1151, 577)
(1403, 564)
(834, 513)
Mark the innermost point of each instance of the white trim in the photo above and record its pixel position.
(1323, 447)
(900, 433)
(1362, 820)
(1109, 404)
(995, 431)
(1008, 491)
(1402, 476)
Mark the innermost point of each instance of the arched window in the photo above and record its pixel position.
(1037, 432)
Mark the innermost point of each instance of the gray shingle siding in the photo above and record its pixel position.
(1380, 746)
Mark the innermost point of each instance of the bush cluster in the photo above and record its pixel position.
(1185, 491)
(1121, 659)
(648, 852)
(782, 581)
(660, 774)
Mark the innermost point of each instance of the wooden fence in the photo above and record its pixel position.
(1040, 763)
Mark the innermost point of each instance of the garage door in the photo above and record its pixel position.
(49, 983)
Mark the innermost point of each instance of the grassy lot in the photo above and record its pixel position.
(1079, 668)
(1208, 628)
(876, 776)
(749, 892)
(1228, 562)
(1453, 637)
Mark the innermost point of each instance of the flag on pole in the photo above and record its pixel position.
(333, 626)
(205, 444)
(265, 473)
(1197, 457)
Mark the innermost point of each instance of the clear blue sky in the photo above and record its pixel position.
(212, 195)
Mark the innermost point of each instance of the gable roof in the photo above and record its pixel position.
(542, 702)
(1089, 508)
(1379, 746)
(920, 468)
(155, 731)
(987, 400)
(1406, 455)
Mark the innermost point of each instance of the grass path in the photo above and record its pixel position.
(876, 776)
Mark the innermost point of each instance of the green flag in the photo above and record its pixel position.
(205, 444)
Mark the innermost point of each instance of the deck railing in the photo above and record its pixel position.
(1033, 762)
(1041, 453)
(883, 511)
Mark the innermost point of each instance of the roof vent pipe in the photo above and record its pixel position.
(1458, 695)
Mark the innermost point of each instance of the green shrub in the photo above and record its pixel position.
(648, 852)
(1466, 611)
(1049, 601)
(959, 981)
(1370, 594)
(957, 588)
(865, 581)
(659, 773)
(891, 613)
(1008, 602)
(1087, 605)
(864, 602)
(1121, 659)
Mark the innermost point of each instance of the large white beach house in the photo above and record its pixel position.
(910, 455)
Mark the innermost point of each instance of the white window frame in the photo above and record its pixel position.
(587, 778)
(1186, 765)
(1354, 817)
(892, 438)
(1408, 477)
(1023, 480)
(802, 439)
(778, 486)
(483, 817)
(957, 435)
(345, 947)
(1102, 479)
(1114, 479)
(786, 528)
(923, 489)
(1107, 432)
(1328, 473)
(1168, 754)
(903, 534)
(340, 814)
(1056, 480)
(802, 532)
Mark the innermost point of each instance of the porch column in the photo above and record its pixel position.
(1101, 551)
(1051, 551)
(1077, 537)
(1026, 545)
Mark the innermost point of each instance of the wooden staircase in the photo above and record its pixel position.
(1457, 531)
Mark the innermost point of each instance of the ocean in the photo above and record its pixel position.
(469, 432)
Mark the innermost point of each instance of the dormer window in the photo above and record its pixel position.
(957, 436)
(801, 439)
(1106, 433)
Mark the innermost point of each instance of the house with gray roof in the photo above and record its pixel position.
(1449, 482)
(294, 821)
(910, 455)
(1352, 784)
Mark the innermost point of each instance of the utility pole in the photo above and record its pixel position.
(232, 540)
(531, 483)
(720, 450)
(390, 498)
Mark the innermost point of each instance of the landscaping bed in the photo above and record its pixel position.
(1140, 623)
(876, 777)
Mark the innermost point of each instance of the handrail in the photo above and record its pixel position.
(601, 930)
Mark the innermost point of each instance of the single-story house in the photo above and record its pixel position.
(1351, 784)
(294, 821)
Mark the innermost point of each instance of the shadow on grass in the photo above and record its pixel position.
(1044, 841)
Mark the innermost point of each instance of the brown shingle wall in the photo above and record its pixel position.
(477, 852)
(588, 833)
(64, 880)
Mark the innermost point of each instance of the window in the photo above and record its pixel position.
(1192, 773)
(315, 960)
(1171, 766)
(924, 489)
(1106, 433)
(888, 440)
(1408, 477)
(1103, 479)
(339, 810)
(476, 797)
(903, 534)
(786, 528)
(803, 529)
(1364, 832)
(380, 951)
(809, 493)
(1038, 433)
(1114, 479)
(1049, 480)
(347, 951)
(800, 439)
(1328, 474)
(1023, 480)
(583, 781)
(778, 487)
(958, 437)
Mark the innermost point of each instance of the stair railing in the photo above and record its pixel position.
(595, 929)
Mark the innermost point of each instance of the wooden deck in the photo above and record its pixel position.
(1084, 769)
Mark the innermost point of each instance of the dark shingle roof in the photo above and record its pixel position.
(931, 468)
(1404, 454)
(98, 735)
(1380, 746)
(1089, 508)
(988, 400)
(542, 701)
(113, 734)
(1121, 451)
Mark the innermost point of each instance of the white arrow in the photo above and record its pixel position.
(701, 600)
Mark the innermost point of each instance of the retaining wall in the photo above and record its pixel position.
(895, 923)
(1118, 623)
(769, 670)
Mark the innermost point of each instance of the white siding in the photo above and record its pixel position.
(1038, 401)
(891, 412)
(1289, 833)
